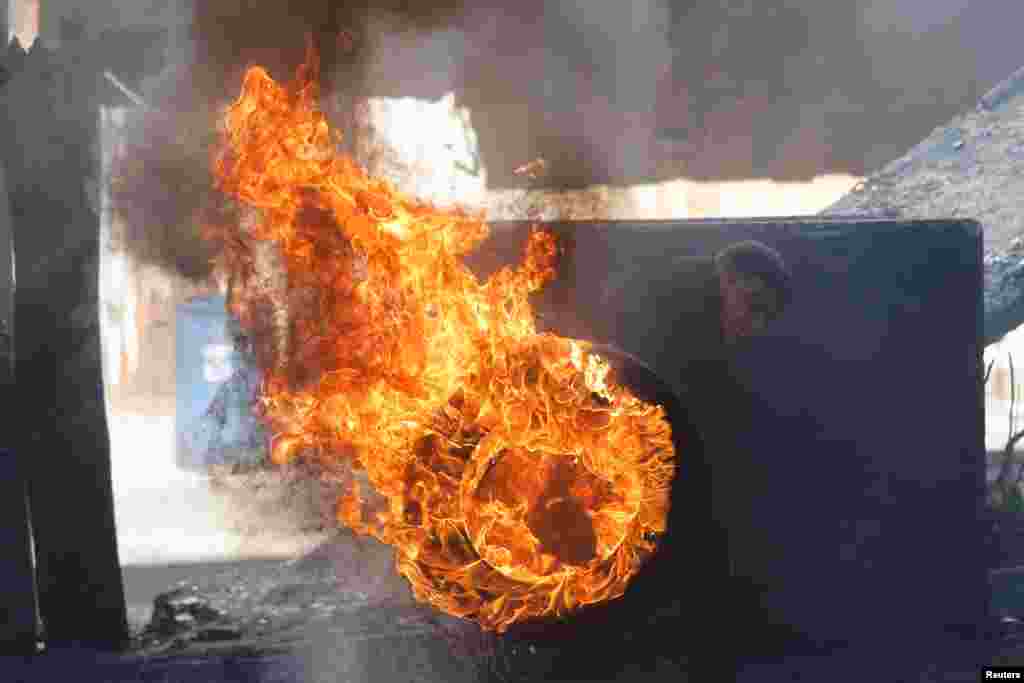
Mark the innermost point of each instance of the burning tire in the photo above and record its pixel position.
(513, 472)
(563, 490)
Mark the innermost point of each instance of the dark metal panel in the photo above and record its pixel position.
(852, 481)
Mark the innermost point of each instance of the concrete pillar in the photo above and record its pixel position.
(59, 420)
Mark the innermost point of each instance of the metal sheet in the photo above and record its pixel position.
(852, 486)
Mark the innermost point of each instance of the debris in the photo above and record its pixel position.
(218, 633)
(180, 610)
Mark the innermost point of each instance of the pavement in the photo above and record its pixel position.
(311, 621)
(336, 659)
(164, 515)
(359, 641)
(88, 667)
(167, 516)
(171, 532)
(142, 583)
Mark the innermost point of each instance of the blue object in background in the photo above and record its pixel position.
(216, 388)
(205, 359)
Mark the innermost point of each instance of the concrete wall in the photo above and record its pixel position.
(724, 90)
(6, 260)
(104, 15)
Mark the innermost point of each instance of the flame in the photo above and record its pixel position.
(511, 474)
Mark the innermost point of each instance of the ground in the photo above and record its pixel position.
(343, 606)
(330, 602)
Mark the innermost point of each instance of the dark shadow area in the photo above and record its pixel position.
(848, 470)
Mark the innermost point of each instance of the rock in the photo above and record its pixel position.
(181, 610)
(973, 167)
(218, 633)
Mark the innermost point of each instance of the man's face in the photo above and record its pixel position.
(748, 305)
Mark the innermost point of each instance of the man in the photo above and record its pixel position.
(687, 320)
(719, 304)
(755, 286)
(751, 288)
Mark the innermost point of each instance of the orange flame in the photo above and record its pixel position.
(510, 472)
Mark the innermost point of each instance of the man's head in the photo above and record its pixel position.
(756, 287)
